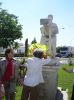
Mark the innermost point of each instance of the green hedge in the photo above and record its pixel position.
(15, 55)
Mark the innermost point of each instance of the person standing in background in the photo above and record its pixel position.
(9, 74)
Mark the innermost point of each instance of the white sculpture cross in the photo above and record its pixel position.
(49, 31)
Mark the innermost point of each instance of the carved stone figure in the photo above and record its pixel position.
(48, 34)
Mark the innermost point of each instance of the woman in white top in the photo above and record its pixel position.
(33, 76)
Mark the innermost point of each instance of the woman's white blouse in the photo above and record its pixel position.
(34, 71)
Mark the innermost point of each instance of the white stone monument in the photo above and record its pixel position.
(48, 37)
(49, 31)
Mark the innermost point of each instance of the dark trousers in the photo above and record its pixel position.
(30, 93)
(8, 94)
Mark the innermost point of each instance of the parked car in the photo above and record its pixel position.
(69, 54)
(58, 55)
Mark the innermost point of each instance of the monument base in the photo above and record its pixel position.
(48, 89)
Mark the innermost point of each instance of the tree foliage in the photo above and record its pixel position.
(58, 49)
(15, 45)
(26, 47)
(34, 41)
(10, 29)
(34, 46)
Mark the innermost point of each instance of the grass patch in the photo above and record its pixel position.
(18, 92)
(66, 80)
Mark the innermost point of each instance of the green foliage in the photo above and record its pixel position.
(22, 61)
(58, 49)
(34, 41)
(15, 45)
(26, 47)
(18, 92)
(37, 46)
(10, 29)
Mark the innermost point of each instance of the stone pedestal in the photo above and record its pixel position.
(48, 89)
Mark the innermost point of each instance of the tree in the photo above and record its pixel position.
(34, 41)
(10, 29)
(58, 49)
(26, 47)
(15, 45)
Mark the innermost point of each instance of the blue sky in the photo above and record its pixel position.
(29, 13)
